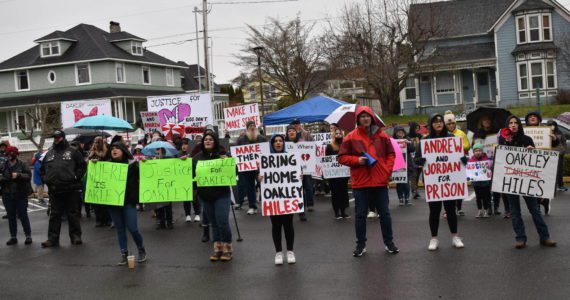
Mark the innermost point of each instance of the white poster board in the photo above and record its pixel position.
(281, 184)
(524, 172)
(331, 168)
(321, 141)
(489, 143)
(236, 117)
(150, 121)
(401, 175)
(73, 111)
(192, 110)
(479, 170)
(540, 136)
(247, 156)
(444, 173)
(307, 155)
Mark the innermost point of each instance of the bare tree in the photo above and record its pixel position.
(386, 40)
(292, 60)
(45, 117)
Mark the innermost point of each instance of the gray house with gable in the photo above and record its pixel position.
(488, 53)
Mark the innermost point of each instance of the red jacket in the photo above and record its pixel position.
(378, 146)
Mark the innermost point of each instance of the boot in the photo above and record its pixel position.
(227, 252)
(206, 234)
(123, 261)
(142, 255)
(218, 251)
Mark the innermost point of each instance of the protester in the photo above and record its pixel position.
(436, 130)
(534, 118)
(416, 171)
(217, 202)
(246, 180)
(277, 145)
(62, 170)
(164, 212)
(137, 154)
(451, 126)
(368, 152)
(513, 135)
(484, 128)
(339, 186)
(38, 183)
(184, 152)
(15, 180)
(3, 158)
(403, 189)
(482, 188)
(100, 152)
(558, 144)
(293, 137)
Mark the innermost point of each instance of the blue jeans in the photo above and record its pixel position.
(218, 212)
(518, 224)
(378, 196)
(308, 190)
(17, 208)
(403, 190)
(246, 187)
(124, 218)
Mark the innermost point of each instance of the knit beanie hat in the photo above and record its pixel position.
(478, 146)
(449, 117)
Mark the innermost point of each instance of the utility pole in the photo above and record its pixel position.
(258, 51)
(197, 48)
(206, 63)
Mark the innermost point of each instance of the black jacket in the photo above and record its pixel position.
(21, 185)
(210, 193)
(63, 168)
(519, 139)
(431, 135)
(133, 176)
(243, 140)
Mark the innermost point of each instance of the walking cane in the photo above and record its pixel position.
(239, 239)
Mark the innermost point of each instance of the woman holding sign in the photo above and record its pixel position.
(216, 202)
(339, 186)
(125, 217)
(514, 135)
(436, 128)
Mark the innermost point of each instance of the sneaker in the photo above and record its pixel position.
(408, 202)
(359, 251)
(372, 215)
(563, 189)
(279, 258)
(433, 244)
(237, 207)
(461, 213)
(251, 211)
(338, 217)
(197, 218)
(479, 214)
(291, 257)
(401, 202)
(548, 243)
(345, 216)
(392, 249)
(457, 243)
(12, 241)
(188, 218)
(123, 261)
(142, 255)
(28, 240)
(507, 216)
(520, 244)
(485, 214)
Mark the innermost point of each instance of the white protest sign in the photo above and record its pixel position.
(73, 111)
(524, 172)
(236, 117)
(444, 174)
(321, 141)
(540, 136)
(322, 138)
(150, 121)
(331, 168)
(247, 156)
(192, 110)
(489, 143)
(307, 155)
(479, 170)
(401, 175)
(281, 184)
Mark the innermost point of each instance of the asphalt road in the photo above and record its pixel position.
(178, 267)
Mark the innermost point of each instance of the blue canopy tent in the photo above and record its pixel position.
(314, 109)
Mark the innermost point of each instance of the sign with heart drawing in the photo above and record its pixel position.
(307, 152)
(191, 110)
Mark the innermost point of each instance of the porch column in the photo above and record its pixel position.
(434, 91)
(134, 112)
(16, 120)
(454, 86)
(417, 83)
(475, 91)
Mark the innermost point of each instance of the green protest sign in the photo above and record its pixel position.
(165, 180)
(216, 172)
(106, 183)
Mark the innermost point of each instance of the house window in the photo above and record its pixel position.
(523, 77)
(537, 74)
(534, 28)
(120, 72)
(550, 75)
(83, 73)
(445, 83)
(136, 48)
(22, 81)
(252, 93)
(546, 28)
(50, 49)
(411, 88)
(169, 77)
(51, 77)
(521, 30)
(146, 74)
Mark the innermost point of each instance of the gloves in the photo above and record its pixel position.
(420, 161)
(464, 160)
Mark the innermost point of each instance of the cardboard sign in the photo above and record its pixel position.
(236, 117)
(73, 111)
(331, 168)
(489, 144)
(281, 186)
(307, 155)
(216, 172)
(165, 180)
(321, 141)
(247, 156)
(444, 173)
(479, 171)
(322, 138)
(524, 172)
(401, 175)
(192, 110)
(150, 121)
(540, 136)
(106, 183)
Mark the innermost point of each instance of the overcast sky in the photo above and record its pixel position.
(22, 21)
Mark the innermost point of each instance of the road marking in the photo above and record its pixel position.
(33, 205)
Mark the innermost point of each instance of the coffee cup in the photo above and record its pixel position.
(131, 261)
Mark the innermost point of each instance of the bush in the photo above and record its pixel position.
(563, 97)
(567, 164)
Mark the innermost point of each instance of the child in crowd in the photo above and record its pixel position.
(403, 189)
(482, 188)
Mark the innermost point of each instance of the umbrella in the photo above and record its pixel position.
(103, 122)
(79, 131)
(150, 149)
(498, 117)
(564, 117)
(86, 138)
(344, 116)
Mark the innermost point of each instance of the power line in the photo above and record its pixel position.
(254, 2)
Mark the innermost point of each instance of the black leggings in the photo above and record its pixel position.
(483, 195)
(285, 221)
(434, 215)
(339, 195)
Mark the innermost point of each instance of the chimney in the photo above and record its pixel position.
(114, 27)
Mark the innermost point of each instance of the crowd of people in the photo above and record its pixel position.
(366, 150)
